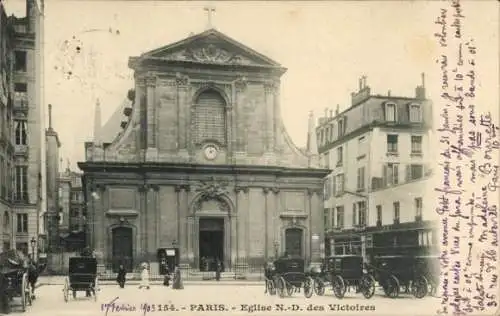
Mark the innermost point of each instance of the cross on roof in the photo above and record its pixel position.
(209, 9)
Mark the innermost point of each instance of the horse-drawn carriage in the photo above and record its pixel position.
(287, 275)
(343, 272)
(398, 272)
(82, 277)
(428, 267)
(14, 269)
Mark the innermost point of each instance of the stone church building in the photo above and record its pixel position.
(200, 160)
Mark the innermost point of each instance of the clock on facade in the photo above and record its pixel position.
(210, 152)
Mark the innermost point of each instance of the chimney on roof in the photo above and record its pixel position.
(420, 90)
(326, 113)
(360, 84)
(337, 110)
(50, 117)
(389, 93)
(331, 113)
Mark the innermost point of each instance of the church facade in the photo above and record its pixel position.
(202, 162)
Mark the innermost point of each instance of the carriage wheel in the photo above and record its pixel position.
(66, 290)
(289, 289)
(280, 286)
(420, 287)
(339, 286)
(391, 288)
(319, 287)
(432, 288)
(270, 288)
(24, 285)
(308, 287)
(367, 285)
(96, 288)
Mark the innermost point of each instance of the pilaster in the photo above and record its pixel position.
(314, 196)
(183, 112)
(183, 223)
(241, 223)
(269, 88)
(240, 136)
(99, 219)
(151, 213)
(152, 150)
(142, 97)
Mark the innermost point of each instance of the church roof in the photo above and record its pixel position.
(209, 47)
(111, 129)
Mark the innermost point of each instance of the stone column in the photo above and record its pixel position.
(277, 119)
(276, 220)
(152, 224)
(183, 113)
(183, 221)
(241, 223)
(190, 240)
(268, 221)
(143, 215)
(229, 132)
(99, 220)
(270, 111)
(315, 226)
(234, 238)
(240, 134)
(143, 119)
(152, 150)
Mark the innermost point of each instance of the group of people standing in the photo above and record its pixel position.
(145, 277)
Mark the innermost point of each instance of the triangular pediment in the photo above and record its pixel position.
(211, 47)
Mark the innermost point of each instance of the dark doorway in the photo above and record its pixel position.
(293, 242)
(211, 243)
(122, 248)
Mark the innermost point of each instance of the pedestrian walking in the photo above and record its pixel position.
(177, 283)
(121, 277)
(218, 269)
(144, 276)
(166, 278)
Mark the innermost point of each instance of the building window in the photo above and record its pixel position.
(361, 178)
(390, 112)
(326, 160)
(416, 172)
(20, 61)
(21, 133)
(379, 215)
(416, 144)
(20, 87)
(340, 156)
(418, 209)
(22, 247)
(331, 132)
(396, 212)
(332, 218)
(361, 147)
(354, 214)
(326, 218)
(392, 174)
(6, 220)
(22, 223)
(392, 143)
(340, 184)
(362, 213)
(415, 113)
(340, 216)
(341, 128)
(21, 184)
(209, 118)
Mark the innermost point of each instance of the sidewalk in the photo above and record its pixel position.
(59, 280)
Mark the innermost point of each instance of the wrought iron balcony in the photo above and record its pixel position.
(21, 101)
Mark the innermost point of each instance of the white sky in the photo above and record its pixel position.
(326, 47)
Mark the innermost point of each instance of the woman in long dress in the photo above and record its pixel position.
(177, 284)
(144, 277)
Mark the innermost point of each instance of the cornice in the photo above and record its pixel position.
(141, 168)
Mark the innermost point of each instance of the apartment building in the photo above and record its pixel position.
(21, 157)
(378, 151)
(72, 210)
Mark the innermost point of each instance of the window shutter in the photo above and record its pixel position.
(334, 185)
(353, 214)
(408, 173)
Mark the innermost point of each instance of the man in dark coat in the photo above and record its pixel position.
(121, 277)
(4, 299)
(218, 269)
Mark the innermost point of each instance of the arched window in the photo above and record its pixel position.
(209, 118)
(6, 219)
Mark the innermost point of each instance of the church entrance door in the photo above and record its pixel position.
(293, 242)
(211, 243)
(122, 248)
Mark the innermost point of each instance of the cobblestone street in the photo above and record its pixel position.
(213, 299)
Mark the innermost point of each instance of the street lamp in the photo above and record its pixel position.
(33, 244)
